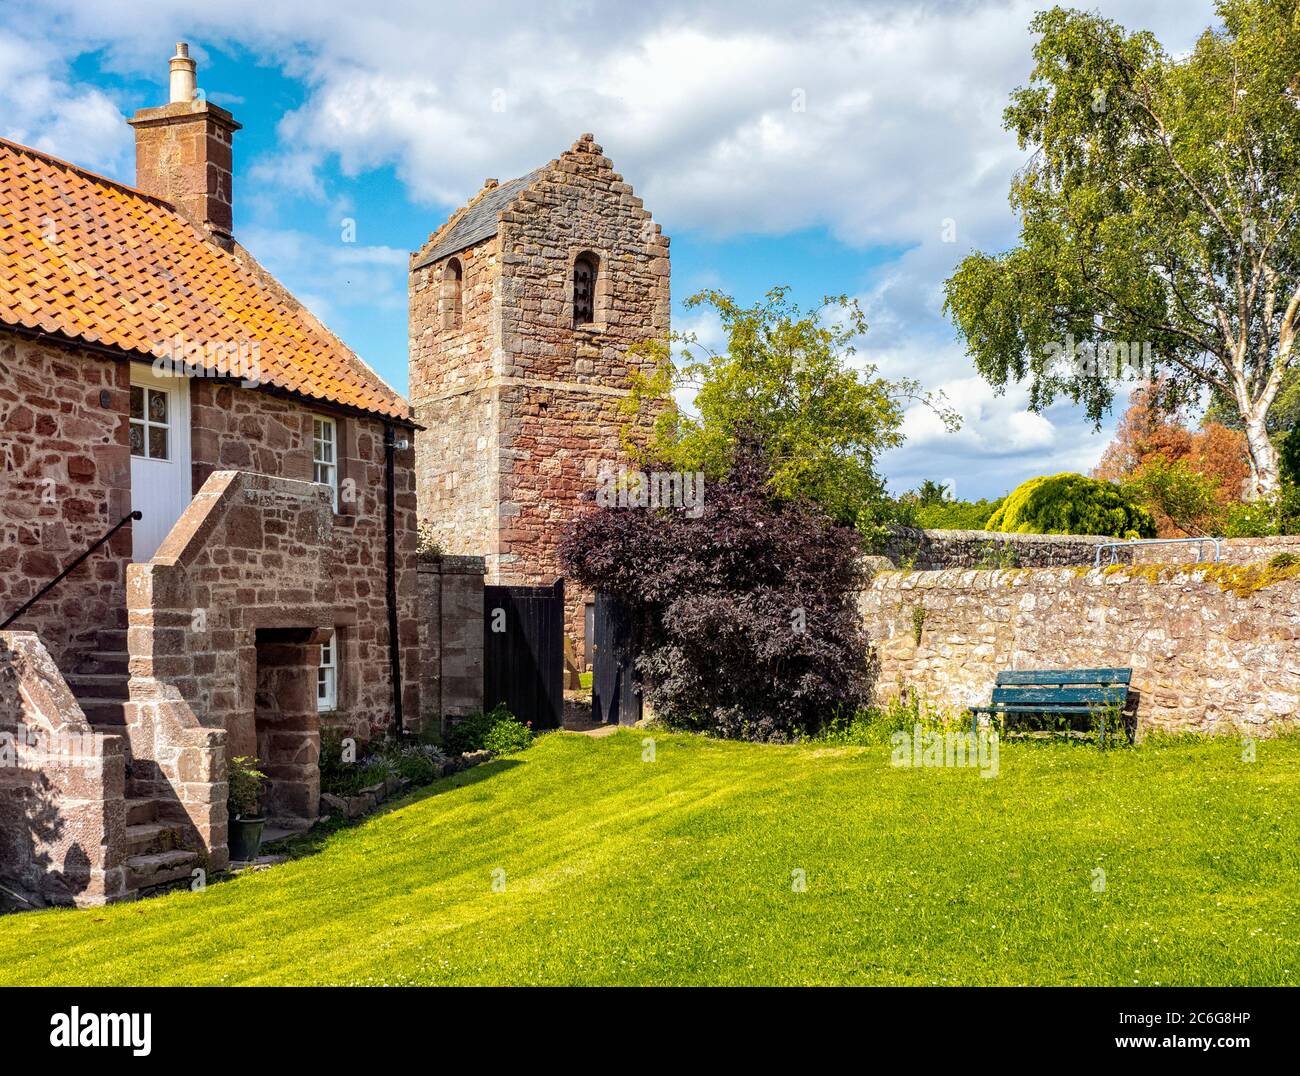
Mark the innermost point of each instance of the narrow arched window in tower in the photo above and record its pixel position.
(586, 269)
(452, 290)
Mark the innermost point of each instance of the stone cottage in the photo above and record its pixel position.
(523, 308)
(149, 364)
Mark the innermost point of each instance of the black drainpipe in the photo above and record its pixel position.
(390, 535)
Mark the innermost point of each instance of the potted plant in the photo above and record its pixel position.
(246, 821)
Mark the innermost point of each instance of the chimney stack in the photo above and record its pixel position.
(184, 151)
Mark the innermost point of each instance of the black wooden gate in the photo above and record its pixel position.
(523, 652)
(615, 698)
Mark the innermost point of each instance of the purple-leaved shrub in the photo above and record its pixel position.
(745, 614)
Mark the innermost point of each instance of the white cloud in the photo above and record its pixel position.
(43, 107)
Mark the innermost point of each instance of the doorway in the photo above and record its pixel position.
(161, 482)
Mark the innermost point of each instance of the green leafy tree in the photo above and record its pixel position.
(785, 383)
(957, 515)
(930, 493)
(1188, 497)
(1072, 504)
(1158, 208)
(1289, 455)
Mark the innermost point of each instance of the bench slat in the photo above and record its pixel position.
(1082, 710)
(1060, 696)
(1065, 676)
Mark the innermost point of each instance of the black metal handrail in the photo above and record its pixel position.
(136, 515)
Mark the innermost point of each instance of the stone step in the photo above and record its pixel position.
(152, 838)
(98, 685)
(115, 662)
(112, 639)
(159, 868)
(140, 811)
(103, 711)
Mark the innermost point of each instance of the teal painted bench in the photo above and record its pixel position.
(1068, 692)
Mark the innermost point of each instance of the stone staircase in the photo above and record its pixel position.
(154, 853)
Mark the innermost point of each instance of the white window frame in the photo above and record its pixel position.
(325, 471)
(327, 675)
(146, 423)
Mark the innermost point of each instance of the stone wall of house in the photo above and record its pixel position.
(1204, 657)
(62, 807)
(244, 429)
(521, 405)
(65, 480)
(451, 637)
(251, 578)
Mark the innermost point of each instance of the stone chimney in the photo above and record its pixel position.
(183, 151)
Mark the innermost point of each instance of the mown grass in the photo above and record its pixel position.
(619, 870)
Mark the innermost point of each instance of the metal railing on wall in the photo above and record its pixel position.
(1115, 547)
(137, 515)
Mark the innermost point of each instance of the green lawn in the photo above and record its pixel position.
(680, 871)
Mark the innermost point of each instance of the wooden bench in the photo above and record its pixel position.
(1070, 692)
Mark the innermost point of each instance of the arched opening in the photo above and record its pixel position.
(451, 296)
(586, 271)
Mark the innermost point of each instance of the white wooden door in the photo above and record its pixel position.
(160, 456)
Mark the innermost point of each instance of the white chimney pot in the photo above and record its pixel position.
(184, 84)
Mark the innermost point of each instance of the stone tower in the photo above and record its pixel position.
(522, 308)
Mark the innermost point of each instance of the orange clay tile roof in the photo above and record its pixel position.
(96, 261)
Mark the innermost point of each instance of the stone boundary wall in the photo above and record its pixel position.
(1231, 550)
(451, 636)
(933, 550)
(936, 550)
(1204, 658)
(62, 787)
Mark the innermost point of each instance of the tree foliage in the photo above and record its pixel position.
(1158, 208)
(745, 615)
(1072, 504)
(786, 382)
(932, 506)
(1190, 479)
(1175, 491)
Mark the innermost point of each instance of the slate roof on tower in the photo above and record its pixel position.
(91, 260)
(478, 220)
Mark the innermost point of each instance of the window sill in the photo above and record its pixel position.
(593, 328)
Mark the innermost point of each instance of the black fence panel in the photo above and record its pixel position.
(615, 697)
(523, 652)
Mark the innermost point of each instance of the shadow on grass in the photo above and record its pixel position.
(314, 840)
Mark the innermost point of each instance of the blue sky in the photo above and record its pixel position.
(822, 147)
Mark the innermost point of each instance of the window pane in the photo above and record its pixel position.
(137, 439)
(157, 406)
(584, 291)
(158, 443)
(137, 402)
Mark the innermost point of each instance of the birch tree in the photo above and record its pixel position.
(1157, 218)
